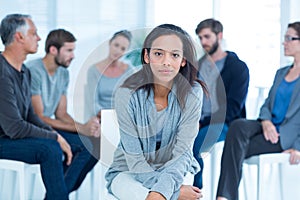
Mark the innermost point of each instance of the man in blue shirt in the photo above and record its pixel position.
(50, 79)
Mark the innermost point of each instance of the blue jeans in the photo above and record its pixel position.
(206, 138)
(83, 161)
(45, 152)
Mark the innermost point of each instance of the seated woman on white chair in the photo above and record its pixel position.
(277, 128)
(158, 110)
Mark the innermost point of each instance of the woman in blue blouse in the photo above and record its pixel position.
(158, 112)
(276, 130)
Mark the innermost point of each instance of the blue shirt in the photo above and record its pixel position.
(50, 88)
(282, 101)
(209, 73)
(100, 89)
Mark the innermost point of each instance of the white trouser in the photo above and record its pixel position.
(125, 187)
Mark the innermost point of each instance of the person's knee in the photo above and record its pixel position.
(51, 149)
(238, 123)
(88, 144)
(235, 129)
(135, 189)
(80, 143)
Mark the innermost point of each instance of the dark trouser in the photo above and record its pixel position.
(205, 140)
(244, 139)
(83, 161)
(45, 152)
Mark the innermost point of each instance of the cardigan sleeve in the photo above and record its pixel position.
(129, 136)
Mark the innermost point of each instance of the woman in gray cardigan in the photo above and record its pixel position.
(276, 130)
(158, 112)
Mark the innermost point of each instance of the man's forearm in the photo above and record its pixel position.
(66, 125)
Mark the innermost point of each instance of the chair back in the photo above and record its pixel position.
(110, 135)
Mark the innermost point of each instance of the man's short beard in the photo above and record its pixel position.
(214, 48)
(59, 63)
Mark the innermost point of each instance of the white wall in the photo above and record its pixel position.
(92, 22)
(253, 29)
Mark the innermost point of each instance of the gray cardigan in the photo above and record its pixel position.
(163, 170)
(290, 128)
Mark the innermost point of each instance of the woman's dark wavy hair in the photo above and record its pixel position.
(187, 75)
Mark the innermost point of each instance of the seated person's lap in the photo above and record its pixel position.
(208, 136)
(29, 150)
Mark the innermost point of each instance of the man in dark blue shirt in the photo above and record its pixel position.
(23, 136)
(227, 79)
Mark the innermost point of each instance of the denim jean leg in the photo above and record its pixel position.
(45, 152)
(83, 161)
(196, 151)
(206, 138)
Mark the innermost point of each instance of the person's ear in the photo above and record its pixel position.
(53, 50)
(183, 62)
(220, 36)
(146, 57)
(19, 36)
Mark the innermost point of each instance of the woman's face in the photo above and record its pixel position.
(291, 47)
(165, 58)
(118, 46)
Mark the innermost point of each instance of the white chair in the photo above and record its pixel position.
(211, 171)
(110, 137)
(95, 185)
(23, 172)
(215, 163)
(26, 176)
(261, 161)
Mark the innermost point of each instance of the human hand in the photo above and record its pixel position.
(269, 131)
(294, 156)
(155, 196)
(189, 192)
(99, 116)
(91, 128)
(65, 147)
